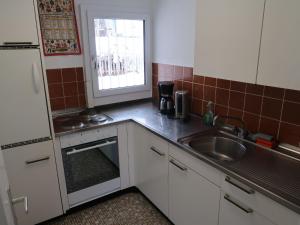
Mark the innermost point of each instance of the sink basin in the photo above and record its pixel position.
(218, 147)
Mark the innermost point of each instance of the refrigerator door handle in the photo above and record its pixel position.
(36, 78)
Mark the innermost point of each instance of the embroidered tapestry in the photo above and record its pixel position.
(58, 27)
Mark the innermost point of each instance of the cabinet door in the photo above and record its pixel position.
(18, 22)
(155, 171)
(234, 212)
(21, 84)
(192, 198)
(280, 50)
(228, 38)
(33, 181)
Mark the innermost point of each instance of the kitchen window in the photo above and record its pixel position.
(118, 56)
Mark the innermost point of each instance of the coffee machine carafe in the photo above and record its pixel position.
(166, 103)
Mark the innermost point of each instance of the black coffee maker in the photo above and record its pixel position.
(166, 103)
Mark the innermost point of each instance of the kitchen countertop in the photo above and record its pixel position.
(275, 175)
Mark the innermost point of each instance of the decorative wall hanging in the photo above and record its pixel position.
(58, 27)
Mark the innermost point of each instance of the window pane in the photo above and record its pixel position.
(120, 53)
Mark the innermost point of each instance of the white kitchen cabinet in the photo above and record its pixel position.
(33, 182)
(265, 210)
(279, 63)
(234, 212)
(18, 22)
(151, 166)
(228, 38)
(192, 198)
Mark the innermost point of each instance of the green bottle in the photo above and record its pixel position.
(209, 115)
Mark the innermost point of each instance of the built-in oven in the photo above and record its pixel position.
(91, 169)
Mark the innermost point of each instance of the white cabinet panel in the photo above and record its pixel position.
(280, 50)
(18, 21)
(32, 173)
(192, 198)
(265, 206)
(6, 214)
(228, 38)
(152, 167)
(233, 212)
(24, 113)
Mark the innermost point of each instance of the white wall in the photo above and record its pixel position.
(174, 31)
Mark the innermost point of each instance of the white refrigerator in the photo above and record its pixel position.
(23, 113)
(32, 194)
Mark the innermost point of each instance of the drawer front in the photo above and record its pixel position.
(32, 176)
(87, 136)
(234, 212)
(272, 210)
(205, 170)
(158, 144)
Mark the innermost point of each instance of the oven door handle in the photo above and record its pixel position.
(75, 151)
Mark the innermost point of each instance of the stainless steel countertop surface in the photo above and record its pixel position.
(275, 175)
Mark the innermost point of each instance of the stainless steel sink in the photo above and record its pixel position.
(216, 146)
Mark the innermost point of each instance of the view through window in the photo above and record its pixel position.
(120, 54)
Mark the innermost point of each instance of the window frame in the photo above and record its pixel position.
(102, 97)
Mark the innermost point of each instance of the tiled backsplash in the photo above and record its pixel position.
(264, 109)
(66, 88)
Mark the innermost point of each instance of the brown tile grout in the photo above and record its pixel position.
(261, 108)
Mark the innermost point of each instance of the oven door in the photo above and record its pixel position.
(91, 170)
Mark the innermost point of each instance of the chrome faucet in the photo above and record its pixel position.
(241, 132)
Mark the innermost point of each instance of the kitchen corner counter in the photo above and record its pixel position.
(263, 170)
(145, 113)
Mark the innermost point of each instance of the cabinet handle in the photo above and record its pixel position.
(76, 151)
(21, 199)
(178, 166)
(36, 78)
(17, 43)
(157, 151)
(37, 160)
(248, 191)
(229, 199)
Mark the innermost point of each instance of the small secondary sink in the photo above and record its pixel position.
(218, 147)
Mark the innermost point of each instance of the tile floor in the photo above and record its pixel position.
(127, 209)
